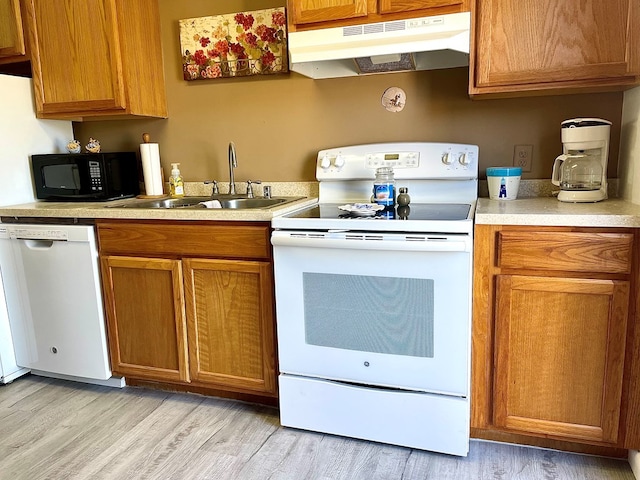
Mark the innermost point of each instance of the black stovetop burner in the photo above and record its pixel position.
(419, 211)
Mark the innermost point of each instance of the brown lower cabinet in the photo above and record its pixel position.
(190, 303)
(555, 332)
(144, 299)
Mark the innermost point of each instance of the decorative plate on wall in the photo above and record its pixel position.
(234, 45)
(394, 99)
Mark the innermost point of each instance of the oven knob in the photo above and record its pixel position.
(463, 159)
(325, 162)
(446, 159)
(338, 162)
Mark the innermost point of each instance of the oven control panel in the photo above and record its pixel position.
(394, 160)
(409, 161)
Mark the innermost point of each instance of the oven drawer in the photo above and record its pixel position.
(565, 251)
(411, 419)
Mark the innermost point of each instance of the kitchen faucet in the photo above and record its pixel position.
(233, 163)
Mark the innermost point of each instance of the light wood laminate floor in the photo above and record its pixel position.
(54, 429)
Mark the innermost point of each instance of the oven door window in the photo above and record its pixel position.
(372, 314)
(393, 319)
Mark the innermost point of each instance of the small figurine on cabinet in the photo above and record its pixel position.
(93, 146)
(73, 146)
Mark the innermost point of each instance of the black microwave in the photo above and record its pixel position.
(85, 176)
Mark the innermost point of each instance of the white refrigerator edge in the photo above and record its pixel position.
(21, 135)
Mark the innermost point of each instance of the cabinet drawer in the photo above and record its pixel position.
(210, 239)
(565, 251)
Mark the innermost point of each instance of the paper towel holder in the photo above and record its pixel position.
(146, 138)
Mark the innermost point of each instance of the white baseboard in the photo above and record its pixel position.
(116, 382)
(634, 461)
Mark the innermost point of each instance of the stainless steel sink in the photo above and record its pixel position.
(235, 202)
(251, 202)
(168, 202)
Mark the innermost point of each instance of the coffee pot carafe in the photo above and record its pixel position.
(581, 171)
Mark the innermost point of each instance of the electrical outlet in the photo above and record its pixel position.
(523, 156)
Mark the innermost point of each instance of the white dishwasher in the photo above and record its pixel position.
(54, 301)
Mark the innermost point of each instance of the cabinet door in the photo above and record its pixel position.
(75, 56)
(230, 323)
(535, 45)
(96, 58)
(312, 11)
(393, 6)
(560, 345)
(11, 35)
(144, 304)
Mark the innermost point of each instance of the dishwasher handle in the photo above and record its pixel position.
(32, 244)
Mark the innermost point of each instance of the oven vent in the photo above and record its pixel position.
(351, 236)
(372, 28)
(307, 235)
(423, 238)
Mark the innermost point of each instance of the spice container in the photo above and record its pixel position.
(403, 197)
(384, 187)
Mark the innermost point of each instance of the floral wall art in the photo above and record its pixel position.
(234, 45)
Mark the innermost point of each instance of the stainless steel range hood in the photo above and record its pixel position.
(426, 43)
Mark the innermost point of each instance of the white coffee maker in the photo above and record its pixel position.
(581, 170)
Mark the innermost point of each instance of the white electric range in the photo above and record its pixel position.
(374, 312)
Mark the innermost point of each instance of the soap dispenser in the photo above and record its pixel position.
(176, 184)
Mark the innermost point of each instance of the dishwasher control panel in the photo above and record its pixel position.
(38, 234)
(65, 233)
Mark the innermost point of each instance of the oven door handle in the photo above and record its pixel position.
(429, 245)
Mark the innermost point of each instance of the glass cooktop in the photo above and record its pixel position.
(414, 217)
(420, 211)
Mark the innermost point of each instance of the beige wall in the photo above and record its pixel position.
(280, 122)
(630, 147)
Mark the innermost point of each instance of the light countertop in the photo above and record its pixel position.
(538, 210)
(549, 211)
(103, 210)
(92, 210)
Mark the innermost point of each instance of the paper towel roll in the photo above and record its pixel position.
(151, 170)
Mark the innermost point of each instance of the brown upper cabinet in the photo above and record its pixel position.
(12, 44)
(96, 58)
(549, 47)
(314, 14)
